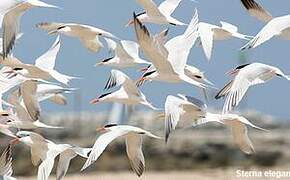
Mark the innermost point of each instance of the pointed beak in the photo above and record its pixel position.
(143, 69)
(129, 23)
(10, 74)
(94, 101)
(99, 64)
(231, 72)
(101, 129)
(52, 32)
(14, 141)
(140, 81)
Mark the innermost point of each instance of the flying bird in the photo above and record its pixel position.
(276, 26)
(245, 76)
(133, 137)
(238, 126)
(169, 60)
(53, 93)
(208, 33)
(158, 14)
(128, 94)
(126, 54)
(20, 117)
(43, 68)
(10, 23)
(88, 35)
(45, 151)
(187, 108)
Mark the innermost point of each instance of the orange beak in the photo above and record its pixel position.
(101, 129)
(14, 141)
(232, 72)
(94, 101)
(143, 69)
(129, 23)
(140, 81)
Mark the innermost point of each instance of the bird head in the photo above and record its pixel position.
(105, 128)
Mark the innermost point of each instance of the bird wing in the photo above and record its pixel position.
(229, 27)
(241, 138)
(206, 36)
(257, 10)
(150, 7)
(252, 75)
(47, 60)
(131, 47)
(58, 99)
(101, 143)
(179, 47)
(63, 163)
(118, 78)
(152, 49)
(10, 25)
(6, 162)
(14, 99)
(134, 152)
(272, 28)
(167, 7)
(28, 92)
(172, 114)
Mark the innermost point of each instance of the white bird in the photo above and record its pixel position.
(246, 75)
(208, 33)
(126, 54)
(182, 108)
(46, 151)
(169, 60)
(43, 68)
(128, 94)
(158, 14)
(52, 92)
(21, 118)
(278, 26)
(238, 125)
(6, 170)
(133, 137)
(186, 108)
(88, 35)
(11, 22)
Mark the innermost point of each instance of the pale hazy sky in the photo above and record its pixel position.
(271, 98)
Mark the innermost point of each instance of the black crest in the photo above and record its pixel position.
(110, 125)
(242, 66)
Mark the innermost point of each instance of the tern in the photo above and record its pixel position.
(208, 33)
(126, 54)
(133, 137)
(21, 118)
(128, 94)
(53, 93)
(88, 35)
(158, 14)
(43, 68)
(245, 76)
(46, 151)
(11, 22)
(169, 60)
(276, 26)
(186, 108)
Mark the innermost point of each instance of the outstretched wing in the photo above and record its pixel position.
(47, 60)
(134, 152)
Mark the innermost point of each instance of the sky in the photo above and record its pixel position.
(272, 98)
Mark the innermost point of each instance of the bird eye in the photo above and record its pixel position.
(197, 76)
(17, 69)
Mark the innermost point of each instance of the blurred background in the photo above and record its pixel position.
(205, 151)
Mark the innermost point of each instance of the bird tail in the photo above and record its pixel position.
(65, 79)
